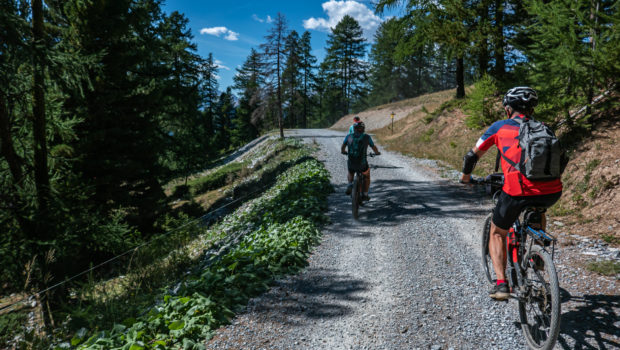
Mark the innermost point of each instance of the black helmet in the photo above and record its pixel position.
(359, 126)
(521, 98)
(356, 118)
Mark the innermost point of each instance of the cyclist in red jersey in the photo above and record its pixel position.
(518, 192)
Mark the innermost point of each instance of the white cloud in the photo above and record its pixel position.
(335, 10)
(221, 31)
(258, 19)
(220, 64)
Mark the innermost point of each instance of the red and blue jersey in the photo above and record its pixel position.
(505, 135)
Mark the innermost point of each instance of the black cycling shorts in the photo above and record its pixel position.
(356, 166)
(509, 207)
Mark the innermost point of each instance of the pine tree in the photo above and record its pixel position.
(247, 82)
(308, 62)
(273, 58)
(292, 79)
(223, 120)
(346, 49)
(209, 89)
(568, 55)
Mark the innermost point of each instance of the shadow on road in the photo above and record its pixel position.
(385, 167)
(396, 201)
(591, 323)
(315, 294)
(317, 136)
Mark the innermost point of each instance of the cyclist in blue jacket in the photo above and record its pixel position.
(357, 144)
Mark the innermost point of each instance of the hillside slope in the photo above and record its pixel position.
(379, 117)
(433, 126)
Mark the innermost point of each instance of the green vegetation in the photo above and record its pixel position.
(481, 104)
(611, 239)
(446, 106)
(606, 267)
(269, 236)
(222, 176)
(280, 230)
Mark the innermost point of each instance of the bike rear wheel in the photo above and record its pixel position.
(355, 197)
(487, 264)
(539, 307)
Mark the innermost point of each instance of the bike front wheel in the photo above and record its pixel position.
(487, 264)
(355, 197)
(539, 306)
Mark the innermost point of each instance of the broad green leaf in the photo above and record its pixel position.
(176, 325)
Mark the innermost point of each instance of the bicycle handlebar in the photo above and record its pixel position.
(491, 179)
(371, 154)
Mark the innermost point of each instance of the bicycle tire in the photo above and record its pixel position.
(355, 197)
(541, 302)
(487, 264)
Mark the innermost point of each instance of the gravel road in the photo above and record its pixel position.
(406, 275)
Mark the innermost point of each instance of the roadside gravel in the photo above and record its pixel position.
(406, 275)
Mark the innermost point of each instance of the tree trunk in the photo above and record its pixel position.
(305, 117)
(40, 147)
(500, 60)
(594, 17)
(483, 55)
(6, 144)
(460, 79)
(279, 89)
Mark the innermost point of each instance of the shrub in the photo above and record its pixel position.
(216, 179)
(480, 104)
(268, 237)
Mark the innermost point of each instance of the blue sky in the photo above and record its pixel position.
(229, 29)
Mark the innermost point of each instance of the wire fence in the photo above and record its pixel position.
(204, 218)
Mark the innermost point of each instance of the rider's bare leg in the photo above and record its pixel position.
(350, 177)
(367, 182)
(497, 250)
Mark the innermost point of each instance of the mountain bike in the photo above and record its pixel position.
(530, 272)
(359, 181)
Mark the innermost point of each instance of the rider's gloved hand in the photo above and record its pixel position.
(344, 152)
(377, 153)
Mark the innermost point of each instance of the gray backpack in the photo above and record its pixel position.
(542, 157)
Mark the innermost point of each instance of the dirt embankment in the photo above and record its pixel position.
(589, 205)
(380, 116)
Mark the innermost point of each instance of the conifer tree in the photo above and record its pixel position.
(344, 61)
(273, 58)
(209, 89)
(307, 65)
(572, 51)
(292, 79)
(223, 120)
(247, 82)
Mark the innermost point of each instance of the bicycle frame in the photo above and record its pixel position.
(530, 273)
(517, 245)
(359, 182)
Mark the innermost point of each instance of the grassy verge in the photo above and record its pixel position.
(606, 267)
(438, 134)
(280, 230)
(144, 277)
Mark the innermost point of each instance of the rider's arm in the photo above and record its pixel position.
(488, 139)
(469, 162)
(374, 148)
(371, 143)
(344, 144)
